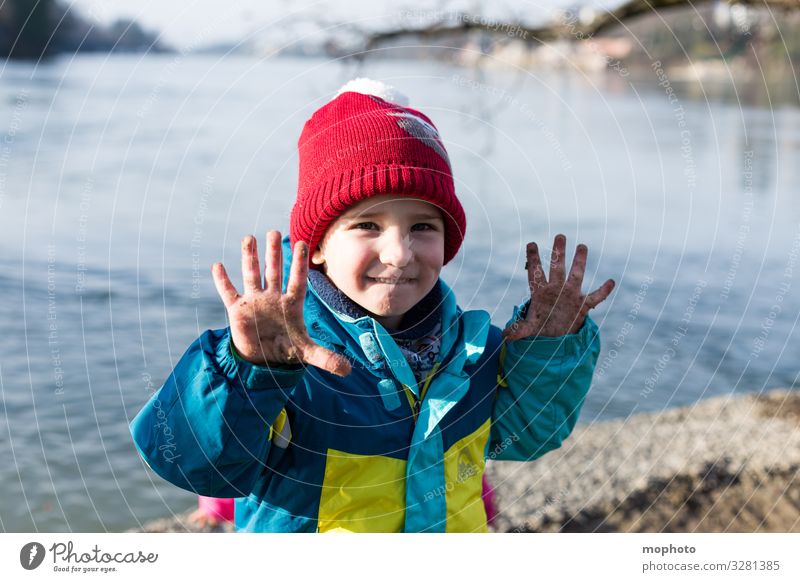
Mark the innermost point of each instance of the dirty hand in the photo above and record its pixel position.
(267, 325)
(557, 306)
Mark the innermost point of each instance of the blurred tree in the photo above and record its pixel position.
(26, 27)
(32, 29)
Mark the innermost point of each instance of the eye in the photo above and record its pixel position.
(366, 226)
(423, 226)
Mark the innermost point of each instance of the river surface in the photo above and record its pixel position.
(123, 178)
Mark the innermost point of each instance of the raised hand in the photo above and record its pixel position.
(557, 305)
(267, 325)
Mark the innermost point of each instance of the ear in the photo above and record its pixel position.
(318, 258)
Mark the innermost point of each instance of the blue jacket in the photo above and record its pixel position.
(304, 450)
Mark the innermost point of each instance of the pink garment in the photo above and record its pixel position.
(488, 500)
(221, 509)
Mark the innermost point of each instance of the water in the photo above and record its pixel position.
(122, 179)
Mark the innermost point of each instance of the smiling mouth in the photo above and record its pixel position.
(391, 281)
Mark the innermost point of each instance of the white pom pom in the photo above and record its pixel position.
(377, 88)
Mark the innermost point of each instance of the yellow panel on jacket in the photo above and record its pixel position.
(362, 493)
(463, 474)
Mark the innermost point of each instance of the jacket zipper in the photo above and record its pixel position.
(414, 402)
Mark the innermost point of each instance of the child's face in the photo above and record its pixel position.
(384, 253)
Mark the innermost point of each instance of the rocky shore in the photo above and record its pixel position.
(181, 523)
(727, 464)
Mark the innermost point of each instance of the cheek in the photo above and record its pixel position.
(431, 254)
(349, 261)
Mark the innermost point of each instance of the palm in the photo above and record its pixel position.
(557, 306)
(265, 328)
(267, 325)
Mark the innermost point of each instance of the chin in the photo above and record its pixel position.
(392, 311)
(389, 307)
(391, 300)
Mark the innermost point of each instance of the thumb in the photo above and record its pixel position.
(515, 331)
(325, 359)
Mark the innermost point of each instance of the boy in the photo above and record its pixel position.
(349, 391)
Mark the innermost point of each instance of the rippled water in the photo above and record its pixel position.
(123, 179)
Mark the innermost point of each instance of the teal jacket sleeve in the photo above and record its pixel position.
(207, 429)
(542, 383)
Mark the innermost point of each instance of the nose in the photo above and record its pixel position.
(395, 248)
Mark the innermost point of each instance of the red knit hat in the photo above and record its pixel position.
(361, 145)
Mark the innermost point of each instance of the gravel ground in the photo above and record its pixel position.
(181, 523)
(726, 464)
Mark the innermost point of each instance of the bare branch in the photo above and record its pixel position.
(572, 28)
